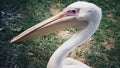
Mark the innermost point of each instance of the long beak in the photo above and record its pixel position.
(55, 23)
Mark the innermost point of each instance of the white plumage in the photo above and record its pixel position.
(78, 14)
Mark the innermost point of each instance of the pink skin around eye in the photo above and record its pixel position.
(72, 11)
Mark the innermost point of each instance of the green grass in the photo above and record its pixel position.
(103, 49)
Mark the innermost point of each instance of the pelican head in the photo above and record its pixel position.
(75, 15)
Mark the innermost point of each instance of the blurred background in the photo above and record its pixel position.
(100, 51)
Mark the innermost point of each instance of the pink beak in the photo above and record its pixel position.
(55, 23)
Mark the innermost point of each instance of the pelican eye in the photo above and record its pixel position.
(73, 11)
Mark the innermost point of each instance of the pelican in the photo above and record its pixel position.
(83, 15)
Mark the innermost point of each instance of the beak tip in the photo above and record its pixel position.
(13, 40)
